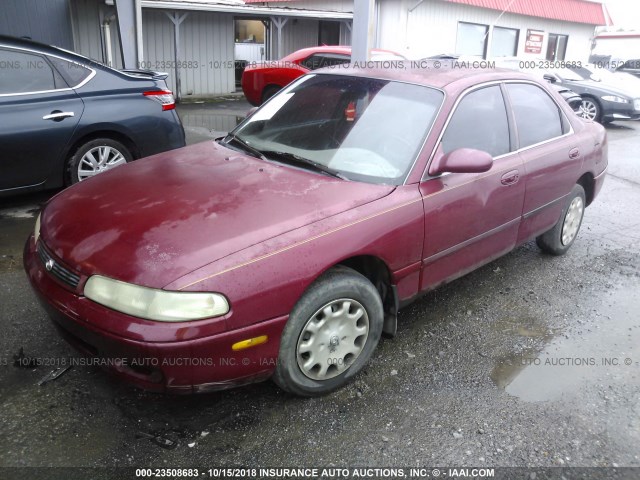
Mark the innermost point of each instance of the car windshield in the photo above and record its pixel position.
(359, 128)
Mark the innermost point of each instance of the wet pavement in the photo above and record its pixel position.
(531, 360)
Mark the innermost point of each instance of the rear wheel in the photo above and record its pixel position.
(590, 109)
(331, 334)
(97, 156)
(560, 238)
(269, 92)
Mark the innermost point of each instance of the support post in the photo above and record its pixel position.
(126, 14)
(177, 19)
(364, 30)
(279, 23)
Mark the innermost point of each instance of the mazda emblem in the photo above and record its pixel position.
(49, 265)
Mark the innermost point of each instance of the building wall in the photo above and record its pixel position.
(619, 48)
(46, 22)
(206, 51)
(432, 28)
(88, 18)
(297, 33)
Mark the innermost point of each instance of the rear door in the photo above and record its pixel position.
(39, 113)
(551, 155)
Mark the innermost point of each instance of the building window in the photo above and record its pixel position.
(557, 47)
(472, 39)
(329, 33)
(504, 42)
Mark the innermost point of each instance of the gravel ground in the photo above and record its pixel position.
(520, 363)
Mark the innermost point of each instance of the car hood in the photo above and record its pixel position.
(600, 88)
(154, 220)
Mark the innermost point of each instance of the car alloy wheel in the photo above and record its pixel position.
(96, 156)
(572, 220)
(332, 339)
(589, 110)
(98, 160)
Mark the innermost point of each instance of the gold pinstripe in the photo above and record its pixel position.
(337, 229)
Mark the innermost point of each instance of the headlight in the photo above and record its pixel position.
(36, 230)
(153, 304)
(636, 104)
(615, 98)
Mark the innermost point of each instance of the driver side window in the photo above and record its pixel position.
(479, 122)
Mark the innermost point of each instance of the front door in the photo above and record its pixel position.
(472, 218)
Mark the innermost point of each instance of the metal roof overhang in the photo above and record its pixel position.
(246, 10)
(576, 11)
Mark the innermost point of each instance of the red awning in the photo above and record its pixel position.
(577, 11)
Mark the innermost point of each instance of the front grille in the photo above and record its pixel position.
(54, 268)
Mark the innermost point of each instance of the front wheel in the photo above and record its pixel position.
(331, 334)
(560, 238)
(97, 156)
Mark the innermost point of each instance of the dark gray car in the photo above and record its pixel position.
(64, 118)
(605, 96)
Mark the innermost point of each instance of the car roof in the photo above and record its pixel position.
(445, 77)
(9, 41)
(339, 49)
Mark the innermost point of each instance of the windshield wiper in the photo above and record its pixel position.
(244, 146)
(294, 159)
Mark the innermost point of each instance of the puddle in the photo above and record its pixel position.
(605, 348)
(211, 122)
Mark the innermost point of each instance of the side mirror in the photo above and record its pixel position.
(463, 160)
(251, 111)
(550, 78)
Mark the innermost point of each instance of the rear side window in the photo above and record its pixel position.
(325, 60)
(538, 118)
(22, 72)
(479, 122)
(73, 73)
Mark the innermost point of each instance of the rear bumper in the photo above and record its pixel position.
(194, 365)
(598, 182)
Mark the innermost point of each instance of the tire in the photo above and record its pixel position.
(325, 342)
(560, 238)
(269, 92)
(590, 109)
(81, 166)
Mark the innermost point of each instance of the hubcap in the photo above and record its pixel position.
(588, 110)
(332, 339)
(98, 160)
(572, 220)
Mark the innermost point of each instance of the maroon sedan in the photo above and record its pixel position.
(261, 81)
(286, 249)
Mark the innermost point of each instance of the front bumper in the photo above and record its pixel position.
(612, 111)
(195, 364)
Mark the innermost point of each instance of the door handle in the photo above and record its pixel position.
(57, 115)
(510, 178)
(574, 153)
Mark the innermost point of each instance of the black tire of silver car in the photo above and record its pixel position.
(331, 334)
(269, 92)
(560, 238)
(97, 156)
(590, 109)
